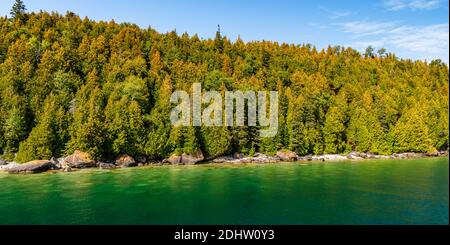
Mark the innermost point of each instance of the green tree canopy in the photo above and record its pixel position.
(68, 83)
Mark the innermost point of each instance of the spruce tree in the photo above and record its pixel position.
(18, 10)
(87, 132)
(410, 134)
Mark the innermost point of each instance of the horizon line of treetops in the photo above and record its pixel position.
(68, 84)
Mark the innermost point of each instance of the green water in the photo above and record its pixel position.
(365, 192)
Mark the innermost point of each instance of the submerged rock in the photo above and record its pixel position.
(78, 160)
(125, 161)
(286, 155)
(36, 166)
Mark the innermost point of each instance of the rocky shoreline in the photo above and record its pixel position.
(82, 160)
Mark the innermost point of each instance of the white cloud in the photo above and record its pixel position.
(432, 39)
(317, 25)
(335, 14)
(361, 45)
(424, 42)
(396, 5)
(365, 28)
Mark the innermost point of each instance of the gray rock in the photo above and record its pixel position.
(256, 158)
(262, 158)
(37, 166)
(308, 157)
(317, 158)
(223, 159)
(2, 161)
(409, 155)
(192, 158)
(286, 155)
(354, 156)
(125, 161)
(443, 153)
(105, 165)
(55, 164)
(302, 158)
(153, 162)
(372, 156)
(141, 159)
(326, 157)
(54, 160)
(8, 166)
(363, 155)
(67, 169)
(185, 158)
(78, 160)
(238, 155)
(433, 154)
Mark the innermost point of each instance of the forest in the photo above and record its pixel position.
(69, 83)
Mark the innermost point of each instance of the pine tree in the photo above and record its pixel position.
(296, 130)
(218, 41)
(16, 124)
(410, 134)
(191, 143)
(365, 134)
(158, 145)
(124, 124)
(369, 52)
(155, 62)
(215, 141)
(18, 10)
(43, 140)
(87, 132)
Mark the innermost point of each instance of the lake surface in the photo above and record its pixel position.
(364, 192)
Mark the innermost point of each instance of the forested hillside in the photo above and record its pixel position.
(68, 84)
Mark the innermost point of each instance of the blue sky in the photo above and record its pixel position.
(417, 29)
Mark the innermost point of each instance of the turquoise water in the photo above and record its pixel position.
(365, 192)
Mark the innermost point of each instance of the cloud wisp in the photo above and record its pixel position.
(365, 28)
(335, 14)
(395, 5)
(425, 42)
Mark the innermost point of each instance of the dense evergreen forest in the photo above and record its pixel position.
(68, 84)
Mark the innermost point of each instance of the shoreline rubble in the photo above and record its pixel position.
(81, 160)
